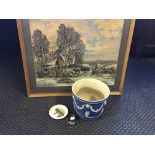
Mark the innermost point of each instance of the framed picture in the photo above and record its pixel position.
(57, 52)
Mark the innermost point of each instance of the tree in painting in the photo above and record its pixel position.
(40, 45)
(53, 45)
(70, 45)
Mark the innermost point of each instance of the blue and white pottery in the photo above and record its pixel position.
(89, 110)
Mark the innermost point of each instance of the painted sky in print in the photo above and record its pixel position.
(101, 37)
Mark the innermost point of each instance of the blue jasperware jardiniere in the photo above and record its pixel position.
(87, 109)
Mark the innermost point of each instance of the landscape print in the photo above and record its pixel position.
(67, 50)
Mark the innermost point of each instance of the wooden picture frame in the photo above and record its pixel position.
(26, 50)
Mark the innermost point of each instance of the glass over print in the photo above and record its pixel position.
(66, 50)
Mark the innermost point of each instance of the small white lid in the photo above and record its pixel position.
(58, 111)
